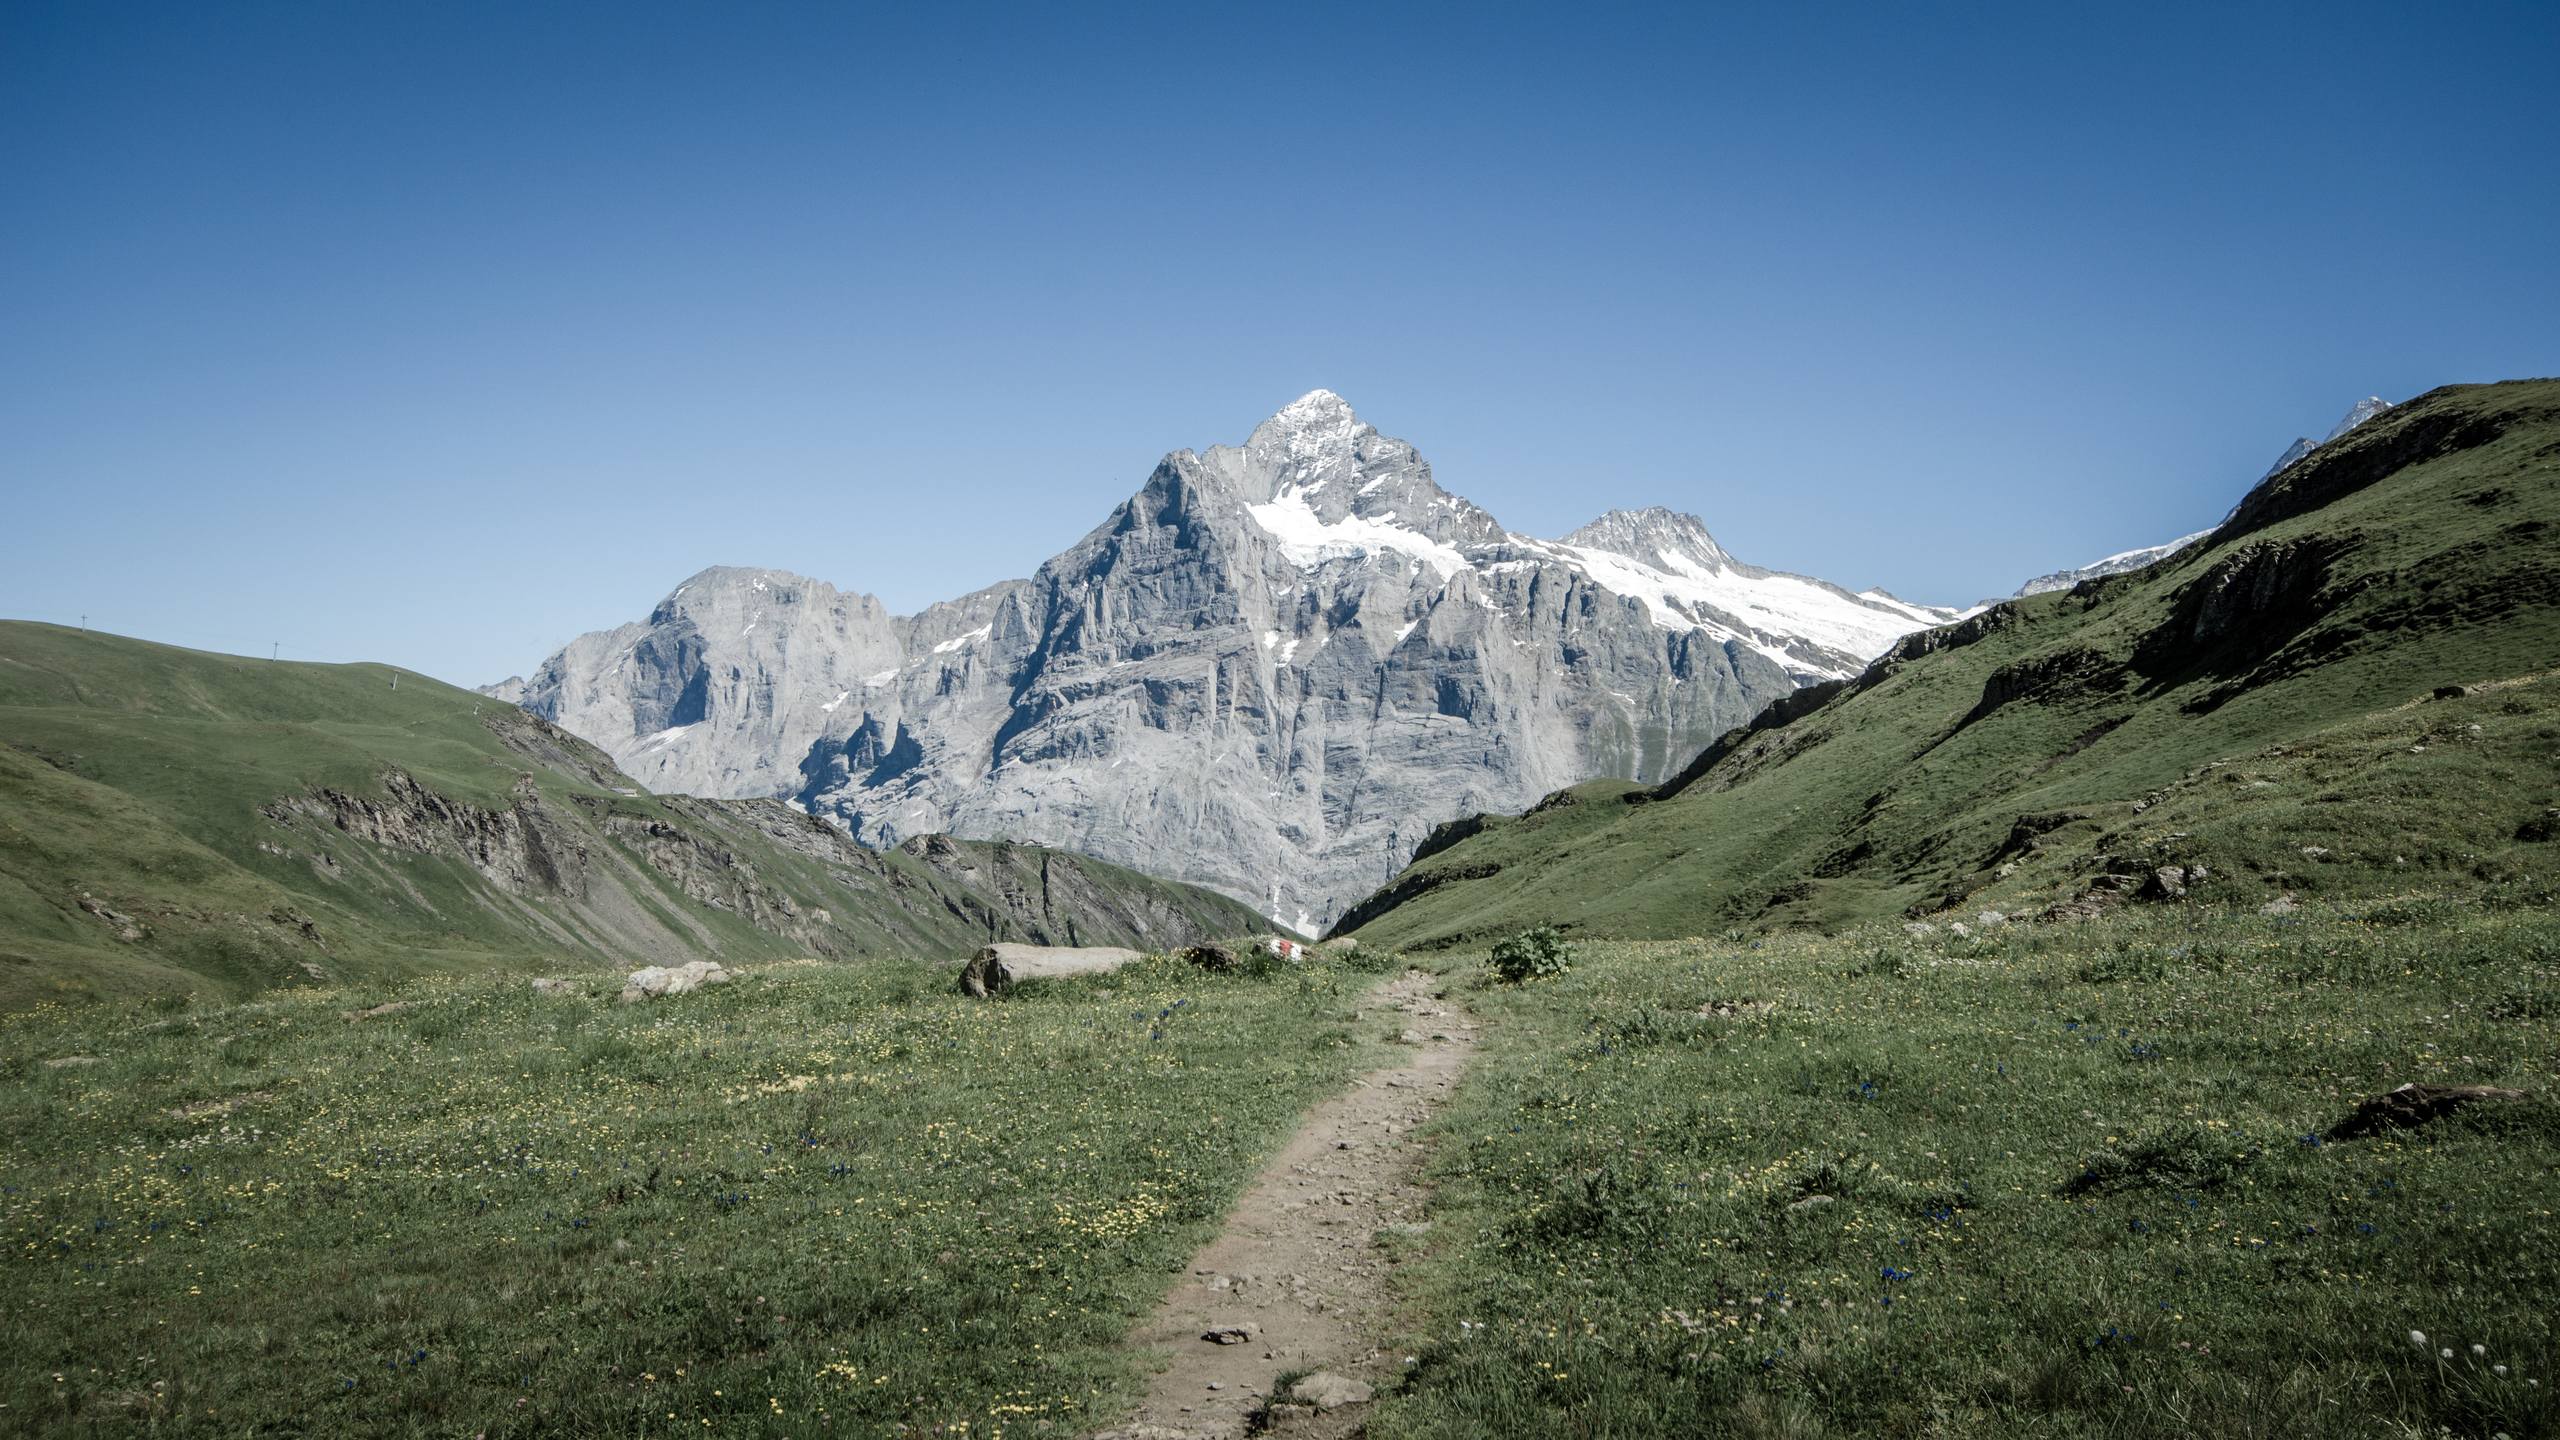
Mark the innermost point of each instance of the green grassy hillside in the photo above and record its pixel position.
(174, 820)
(2269, 690)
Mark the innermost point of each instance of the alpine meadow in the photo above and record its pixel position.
(716, 722)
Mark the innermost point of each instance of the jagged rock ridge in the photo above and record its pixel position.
(1271, 672)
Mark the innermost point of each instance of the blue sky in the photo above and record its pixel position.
(438, 333)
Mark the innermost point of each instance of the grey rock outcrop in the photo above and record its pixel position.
(1000, 967)
(654, 981)
(1270, 672)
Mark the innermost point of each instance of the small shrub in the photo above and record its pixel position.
(1532, 955)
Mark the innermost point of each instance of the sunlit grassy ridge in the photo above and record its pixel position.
(157, 783)
(2053, 1180)
(821, 1199)
(2420, 551)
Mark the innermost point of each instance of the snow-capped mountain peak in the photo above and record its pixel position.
(1313, 439)
(1271, 670)
(2363, 410)
(1662, 538)
(2130, 560)
(2356, 415)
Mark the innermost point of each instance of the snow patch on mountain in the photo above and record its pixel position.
(2119, 563)
(1309, 540)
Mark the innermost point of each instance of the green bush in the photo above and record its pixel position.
(1531, 955)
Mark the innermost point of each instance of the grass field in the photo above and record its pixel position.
(824, 1199)
(2052, 1180)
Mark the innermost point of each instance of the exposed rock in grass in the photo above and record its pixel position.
(2415, 1104)
(389, 1007)
(127, 928)
(2283, 904)
(2169, 882)
(214, 1109)
(547, 986)
(657, 980)
(1326, 1390)
(1000, 967)
(66, 1062)
(1216, 959)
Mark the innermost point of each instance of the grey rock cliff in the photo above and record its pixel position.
(1270, 672)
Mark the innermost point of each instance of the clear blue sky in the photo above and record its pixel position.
(436, 333)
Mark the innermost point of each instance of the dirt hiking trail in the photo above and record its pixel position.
(1296, 1281)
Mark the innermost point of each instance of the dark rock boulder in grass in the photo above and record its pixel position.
(2416, 1104)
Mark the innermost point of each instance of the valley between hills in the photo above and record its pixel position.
(1876, 1019)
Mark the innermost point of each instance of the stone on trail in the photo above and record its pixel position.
(1328, 1391)
(1228, 1335)
(1001, 966)
(657, 980)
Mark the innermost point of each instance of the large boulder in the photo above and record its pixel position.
(1000, 967)
(657, 980)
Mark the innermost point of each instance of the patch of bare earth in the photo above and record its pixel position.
(1297, 1281)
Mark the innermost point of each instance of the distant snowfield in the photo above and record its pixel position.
(1774, 607)
(1772, 611)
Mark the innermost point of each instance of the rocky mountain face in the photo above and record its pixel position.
(2130, 560)
(1270, 672)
